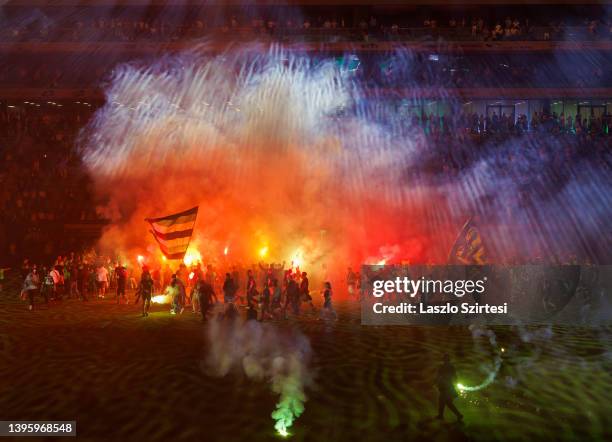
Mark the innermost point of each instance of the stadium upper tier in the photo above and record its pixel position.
(25, 21)
(53, 49)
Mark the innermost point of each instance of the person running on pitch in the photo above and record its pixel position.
(144, 291)
(174, 292)
(230, 287)
(195, 296)
(229, 291)
(253, 300)
(31, 286)
(266, 296)
(292, 296)
(328, 309)
(445, 381)
(206, 297)
(251, 286)
(305, 291)
(47, 286)
(121, 277)
(275, 306)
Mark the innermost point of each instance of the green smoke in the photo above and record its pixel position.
(489, 379)
(263, 352)
(288, 382)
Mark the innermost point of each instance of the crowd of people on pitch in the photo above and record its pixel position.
(75, 276)
(265, 291)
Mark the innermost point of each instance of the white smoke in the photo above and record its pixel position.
(264, 353)
(489, 370)
(281, 150)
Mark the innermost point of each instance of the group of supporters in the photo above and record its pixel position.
(74, 276)
(270, 298)
(193, 23)
(83, 276)
(521, 157)
(541, 124)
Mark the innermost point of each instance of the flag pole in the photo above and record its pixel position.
(191, 236)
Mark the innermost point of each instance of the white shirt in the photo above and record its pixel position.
(102, 274)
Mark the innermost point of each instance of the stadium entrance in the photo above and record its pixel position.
(499, 110)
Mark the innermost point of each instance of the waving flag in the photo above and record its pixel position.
(173, 232)
(468, 248)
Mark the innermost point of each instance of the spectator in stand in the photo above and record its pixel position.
(189, 23)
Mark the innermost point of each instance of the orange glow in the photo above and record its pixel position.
(284, 177)
(140, 259)
(192, 256)
(160, 299)
(191, 275)
(297, 259)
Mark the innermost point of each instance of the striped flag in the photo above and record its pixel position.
(468, 248)
(173, 232)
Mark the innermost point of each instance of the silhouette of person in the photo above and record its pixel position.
(446, 387)
(206, 296)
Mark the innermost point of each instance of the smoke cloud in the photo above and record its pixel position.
(263, 352)
(285, 152)
(261, 147)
